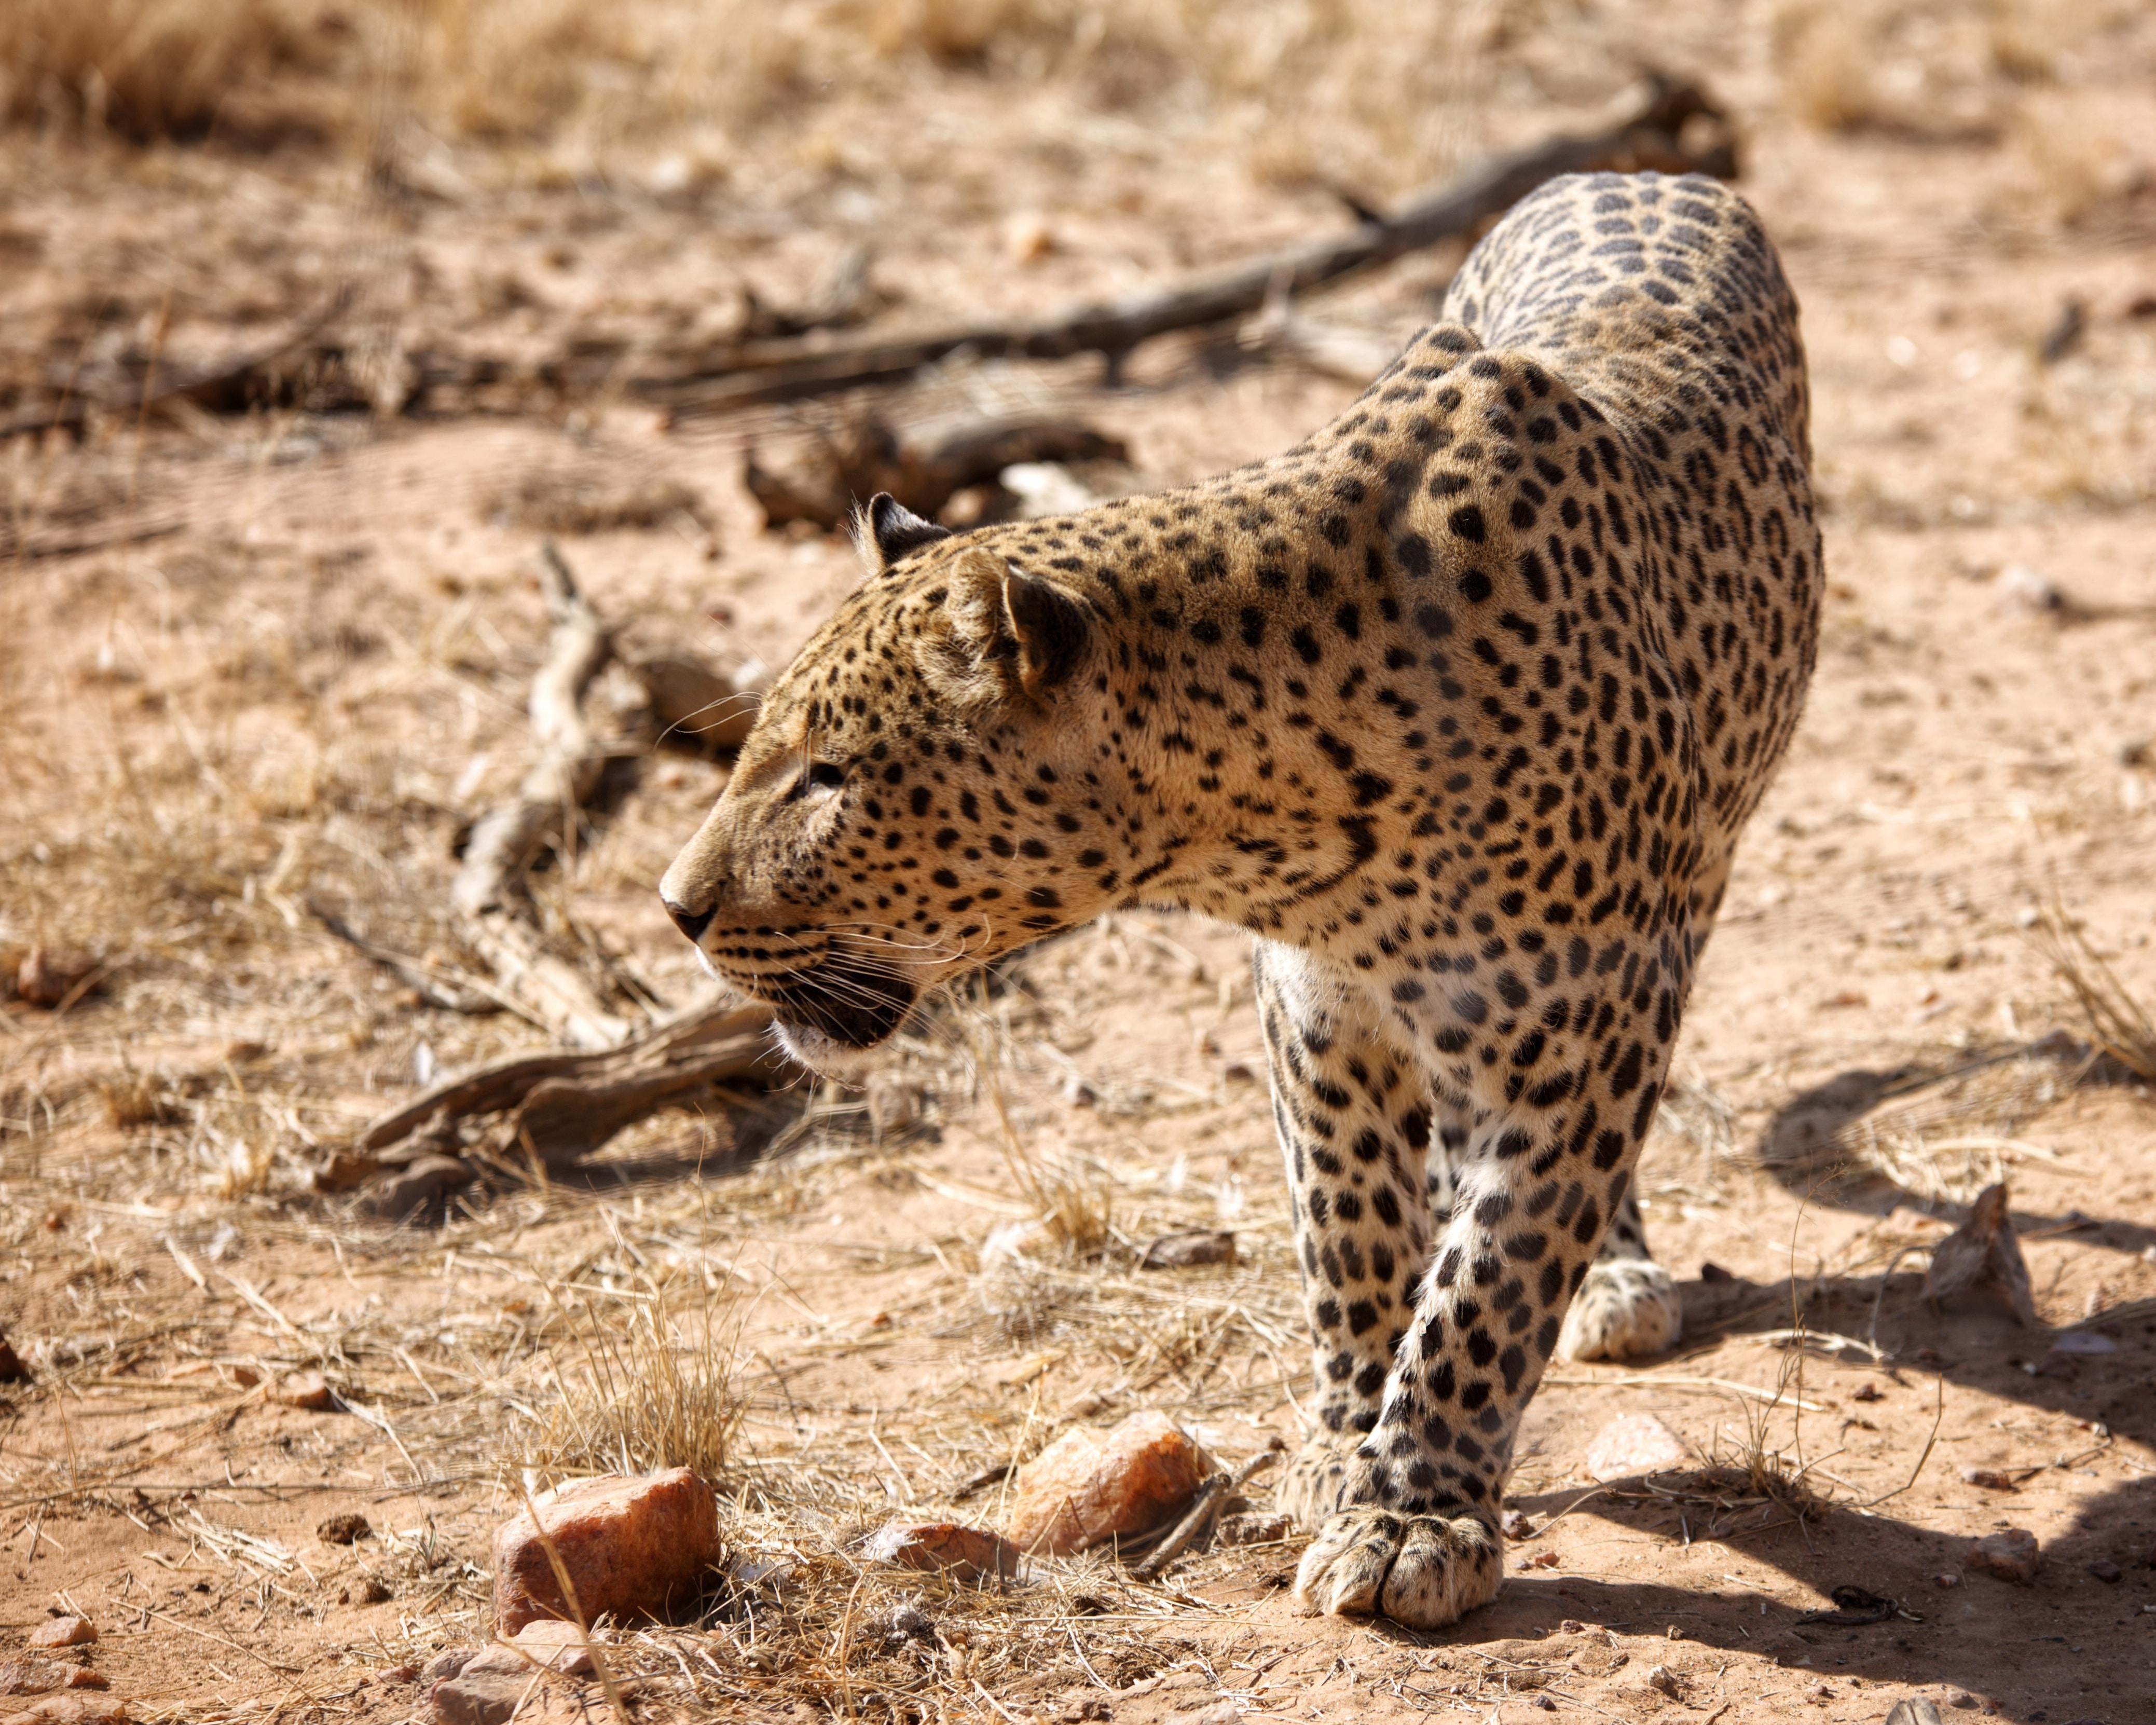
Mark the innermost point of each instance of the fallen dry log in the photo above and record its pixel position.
(223, 386)
(836, 472)
(562, 1105)
(488, 893)
(1672, 126)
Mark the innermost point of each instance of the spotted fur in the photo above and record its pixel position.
(1458, 707)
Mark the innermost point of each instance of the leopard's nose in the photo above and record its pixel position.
(692, 923)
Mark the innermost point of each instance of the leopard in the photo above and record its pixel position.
(1458, 707)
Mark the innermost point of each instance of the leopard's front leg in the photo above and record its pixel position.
(1352, 1110)
(1416, 1535)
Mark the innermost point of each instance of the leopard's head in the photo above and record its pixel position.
(914, 799)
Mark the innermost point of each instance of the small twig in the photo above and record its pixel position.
(1211, 1496)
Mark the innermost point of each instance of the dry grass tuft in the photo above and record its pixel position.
(2119, 1025)
(148, 69)
(647, 1384)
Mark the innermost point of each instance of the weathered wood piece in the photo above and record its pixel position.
(1670, 125)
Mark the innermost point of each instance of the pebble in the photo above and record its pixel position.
(1989, 1478)
(48, 975)
(32, 1676)
(418, 1189)
(347, 1528)
(308, 1391)
(63, 1632)
(71, 1709)
(2012, 1556)
(1632, 1445)
(951, 1548)
(2104, 1570)
(632, 1548)
(1090, 1486)
(2022, 589)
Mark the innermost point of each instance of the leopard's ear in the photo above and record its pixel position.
(1023, 633)
(886, 530)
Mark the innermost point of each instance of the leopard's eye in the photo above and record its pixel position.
(821, 775)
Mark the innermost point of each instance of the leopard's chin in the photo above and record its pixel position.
(830, 1019)
(824, 1055)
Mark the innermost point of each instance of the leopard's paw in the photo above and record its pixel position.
(1422, 1571)
(1310, 1491)
(1626, 1309)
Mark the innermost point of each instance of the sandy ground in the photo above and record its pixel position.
(254, 663)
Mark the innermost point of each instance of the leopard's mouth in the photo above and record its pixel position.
(842, 1008)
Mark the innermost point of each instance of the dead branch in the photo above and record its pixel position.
(487, 894)
(568, 1104)
(1672, 126)
(223, 385)
(441, 986)
(837, 472)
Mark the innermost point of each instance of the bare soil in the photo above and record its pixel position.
(251, 663)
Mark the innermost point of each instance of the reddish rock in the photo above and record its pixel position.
(632, 1548)
(969, 1553)
(32, 1676)
(2011, 1556)
(1632, 1445)
(307, 1391)
(63, 1632)
(1088, 1487)
(71, 1709)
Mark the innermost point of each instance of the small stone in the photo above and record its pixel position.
(1188, 1250)
(1662, 1678)
(2011, 1556)
(1090, 1486)
(73, 1709)
(450, 1662)
(375, 1591)
(81, 1677)
(2024, 589)
(1867, 1391)
(417, 1193)
(1632, 1445)
(1989, 1478)
(489, 1699)
(401, 1674)
(966, 1553)
(1946, 1579)
(1985, 1253)
(904, 1622)
(632, 1548)
(307, 1391)
(346, 1528)
(1961, 1698)
(2104, 1570)
(1913, 1710)
(48, 975)
(32, 1676)
(560, 1647)
(1518, 1524)
(63, 1632)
